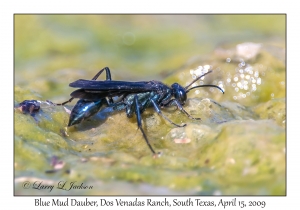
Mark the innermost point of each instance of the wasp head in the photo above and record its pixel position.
(179, 93)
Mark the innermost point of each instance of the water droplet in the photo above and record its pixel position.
(206, 68)
(200, 68)
(242, 64)
(248, 69)
(259, 81)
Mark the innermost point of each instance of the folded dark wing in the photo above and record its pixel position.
(93, 90)
(143, 86)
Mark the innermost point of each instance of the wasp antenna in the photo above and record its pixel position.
(195, 80)
(215, 86)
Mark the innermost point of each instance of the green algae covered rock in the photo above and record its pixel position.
(234, 149)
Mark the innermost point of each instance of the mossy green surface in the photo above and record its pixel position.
(237, 148)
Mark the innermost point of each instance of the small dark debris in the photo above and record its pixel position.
(51, 171)
(224, 121)
(64, 132)
(56, 165)
(206, 161)
(29, 107)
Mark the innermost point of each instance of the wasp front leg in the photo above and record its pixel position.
(176, 103)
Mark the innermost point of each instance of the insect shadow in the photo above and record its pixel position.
(133, 97)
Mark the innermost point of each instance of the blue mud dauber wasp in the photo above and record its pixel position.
(133, 97)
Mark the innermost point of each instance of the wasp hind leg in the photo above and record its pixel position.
(108, 77)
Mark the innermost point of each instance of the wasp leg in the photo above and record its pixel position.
(174, 102)
(108, 77)
(68, 101)
(160, 113)
(139, 122)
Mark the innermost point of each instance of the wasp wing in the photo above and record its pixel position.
(91, 89)
(107, 85)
